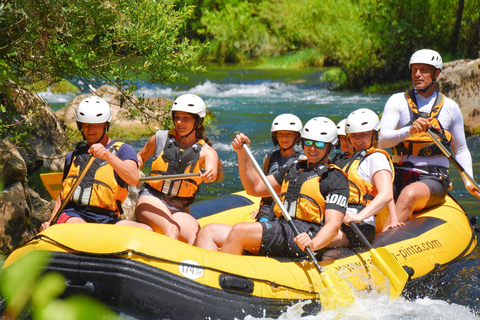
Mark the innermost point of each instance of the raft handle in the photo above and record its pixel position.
(236, 284)
(80, 286)
(409, 270)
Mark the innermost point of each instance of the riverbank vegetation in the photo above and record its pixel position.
(367, 42)
(371, 41)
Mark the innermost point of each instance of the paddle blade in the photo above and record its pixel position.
(335, 292)
(389, 266)
(53, 183)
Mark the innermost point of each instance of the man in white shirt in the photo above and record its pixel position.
(421, 174)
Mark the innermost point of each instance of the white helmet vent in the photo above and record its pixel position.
(88, 113)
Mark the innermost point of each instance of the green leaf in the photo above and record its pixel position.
(47, 289)
(18, 280)
(76, 308)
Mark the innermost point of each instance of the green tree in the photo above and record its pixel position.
(98, 41)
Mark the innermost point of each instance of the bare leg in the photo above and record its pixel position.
(153, 212)
(244, 236)
(134, 224)
(75, 220)
(189, 227)
(213, 236)
(413, 197)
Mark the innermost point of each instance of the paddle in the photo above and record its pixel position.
(75, 185)
(171, 177)
(450, 157)
(331, 290)
(386, 263)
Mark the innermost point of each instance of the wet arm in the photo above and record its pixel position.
(251, 180)
(333, 222)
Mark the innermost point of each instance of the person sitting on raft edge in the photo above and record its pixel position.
(370, 175)
(285, 132)
(165, 204)
(101, 193)
(320, 189)
(422, 176)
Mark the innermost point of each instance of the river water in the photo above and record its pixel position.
(247, 101)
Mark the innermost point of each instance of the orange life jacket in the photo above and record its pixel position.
(99, 190)
(421, 144)
(362, 192)
(300, 193)
(174, 160)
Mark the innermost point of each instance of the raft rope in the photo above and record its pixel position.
(130, 252)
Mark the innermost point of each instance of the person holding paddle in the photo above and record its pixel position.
(313, 192)
(370, 175)
(285, 132)
(96, 193)
(165, 204)
(421, 168)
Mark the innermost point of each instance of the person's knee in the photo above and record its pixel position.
(171, 231)
(207, 231)
(240, 228)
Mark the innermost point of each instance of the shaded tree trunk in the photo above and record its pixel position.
(472, 49)
(456, 28)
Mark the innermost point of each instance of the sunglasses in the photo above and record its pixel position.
(318, 144)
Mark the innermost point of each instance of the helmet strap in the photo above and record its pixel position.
(285, 149)
(330, 146)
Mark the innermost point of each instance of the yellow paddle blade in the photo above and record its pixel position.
(335, 291)
(53, 183)
(389, 266)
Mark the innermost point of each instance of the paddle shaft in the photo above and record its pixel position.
(280, 205)
(171, 177)
(453, 160)
(361, 235)
(75, 185)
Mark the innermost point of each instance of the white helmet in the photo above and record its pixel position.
(341, 128)
(320, 129)
(362, 120)
(93, 109)
(287, 122)
(190, 103)
(426, 56)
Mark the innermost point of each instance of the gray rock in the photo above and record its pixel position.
(12, 166)
(460, 81)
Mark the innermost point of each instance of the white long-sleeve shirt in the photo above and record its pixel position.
(394, 129)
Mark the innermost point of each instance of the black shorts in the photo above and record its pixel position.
(367, 229)
(277, 238)
(437, 180)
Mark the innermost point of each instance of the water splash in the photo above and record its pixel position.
(380, 307)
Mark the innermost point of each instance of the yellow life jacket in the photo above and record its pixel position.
(362, 192)
(99, 190)
(421, 144)
(174, 160)
(300, 193)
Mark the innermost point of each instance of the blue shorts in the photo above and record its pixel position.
(88, 216)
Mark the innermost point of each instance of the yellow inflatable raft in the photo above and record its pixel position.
(150, 276)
